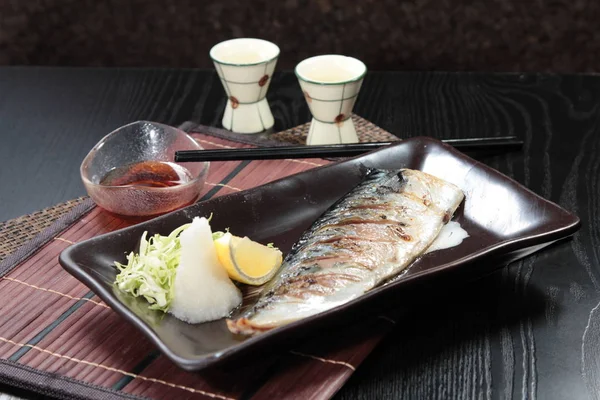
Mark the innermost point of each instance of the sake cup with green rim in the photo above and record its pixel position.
(331, 84)
(245, 67)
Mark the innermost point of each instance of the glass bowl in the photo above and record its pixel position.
(131, 172)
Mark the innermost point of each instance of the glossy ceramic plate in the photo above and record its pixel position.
(505, 221)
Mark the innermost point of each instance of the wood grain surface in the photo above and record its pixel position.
(530, 331)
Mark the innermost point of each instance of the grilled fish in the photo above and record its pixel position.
(371, 234)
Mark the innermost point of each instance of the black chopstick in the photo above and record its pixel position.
(474, 145)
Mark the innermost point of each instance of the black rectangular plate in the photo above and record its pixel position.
(505, 221)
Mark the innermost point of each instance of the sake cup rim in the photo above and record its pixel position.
(262, 41)
(355, 79)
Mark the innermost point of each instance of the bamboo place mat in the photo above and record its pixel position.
(58, 339)
(366, 131)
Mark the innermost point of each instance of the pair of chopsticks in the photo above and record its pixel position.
(475, 145)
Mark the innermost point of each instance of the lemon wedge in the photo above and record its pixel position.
(247, 261)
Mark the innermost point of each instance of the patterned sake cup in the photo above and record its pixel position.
(245, 67)
(331, 84)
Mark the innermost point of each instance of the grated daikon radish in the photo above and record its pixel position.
(202, 289)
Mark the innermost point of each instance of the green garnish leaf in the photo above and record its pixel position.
(219, 234)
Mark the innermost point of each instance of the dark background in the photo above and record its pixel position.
(451, 35)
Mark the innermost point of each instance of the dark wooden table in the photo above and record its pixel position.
(531, 330)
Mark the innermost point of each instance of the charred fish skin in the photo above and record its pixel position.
(371, 234)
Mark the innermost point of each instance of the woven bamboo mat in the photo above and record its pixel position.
(366, 130)
(59, 339)
(16, 232)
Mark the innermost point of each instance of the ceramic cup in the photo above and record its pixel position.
(245, 67)
(331, 84)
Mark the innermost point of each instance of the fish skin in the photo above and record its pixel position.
(371, 234)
